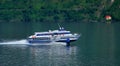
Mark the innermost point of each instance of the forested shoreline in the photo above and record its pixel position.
(58, 10)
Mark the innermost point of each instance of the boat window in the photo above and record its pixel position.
(55, 33)
(43, 38)
(66, 37)
(61, 33)
(65, 33)
(43, 34)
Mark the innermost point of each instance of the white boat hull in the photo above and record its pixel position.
(53, 36)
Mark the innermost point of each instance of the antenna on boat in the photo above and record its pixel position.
(59, 26)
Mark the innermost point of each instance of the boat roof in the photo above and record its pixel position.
(52, 32)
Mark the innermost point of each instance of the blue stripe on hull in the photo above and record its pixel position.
(38, 41)
(48, 41)
(65, 41)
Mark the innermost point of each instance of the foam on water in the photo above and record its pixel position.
(24, 42)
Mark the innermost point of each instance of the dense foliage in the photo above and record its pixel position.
(58, 10)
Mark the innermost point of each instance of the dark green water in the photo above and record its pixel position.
(98, 45)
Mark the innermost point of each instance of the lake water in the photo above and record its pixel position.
(98, 45)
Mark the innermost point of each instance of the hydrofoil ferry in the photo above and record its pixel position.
(60, 35)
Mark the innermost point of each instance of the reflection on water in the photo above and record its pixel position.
(54, 55)
(41, 55)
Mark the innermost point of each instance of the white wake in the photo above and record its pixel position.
(15, 42)
(24, 42)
